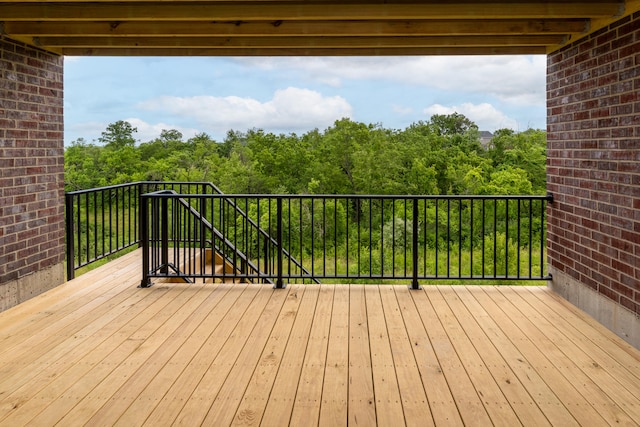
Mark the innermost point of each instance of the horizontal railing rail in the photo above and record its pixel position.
(356, 238)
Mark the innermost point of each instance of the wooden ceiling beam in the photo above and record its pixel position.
(305, 27)
(501, 50)
(296, 42)
(300, 28)
(267, 11)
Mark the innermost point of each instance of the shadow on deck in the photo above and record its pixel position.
(101, 351)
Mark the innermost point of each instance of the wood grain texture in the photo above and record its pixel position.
(101, 351)
(296, 27)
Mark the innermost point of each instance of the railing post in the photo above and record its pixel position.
(144, 237)
(69, 224)
(279, 281)
(140, 189)
(414, 261)
(543, 240)
(164, 237)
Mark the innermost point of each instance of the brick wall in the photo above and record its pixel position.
(31, 165)
(593, 165)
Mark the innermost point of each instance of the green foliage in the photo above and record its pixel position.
(442, 156)
(525, 151)
(452, 124)
(118, 135)
(81, 161)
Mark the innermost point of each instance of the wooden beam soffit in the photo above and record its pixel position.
(295, 27)
(412, 27)
(268, 11)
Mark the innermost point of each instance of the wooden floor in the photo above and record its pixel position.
(100, 351)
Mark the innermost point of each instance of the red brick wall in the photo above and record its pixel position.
(31, 161)
(593, 165)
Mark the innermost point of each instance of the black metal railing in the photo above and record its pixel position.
(103, 222)
(348, 238)
(187, 245)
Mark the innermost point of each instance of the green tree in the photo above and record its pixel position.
(120, 166)
(334, 156)
(81, 166)
(162, 147)
(451, 124)
(118, 135)
(524, 150)
(508, 181)
(282, 161)
(440, 156)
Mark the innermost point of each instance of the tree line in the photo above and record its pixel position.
(444, 155)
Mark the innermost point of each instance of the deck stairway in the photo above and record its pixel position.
(211, 264)
(204, 252)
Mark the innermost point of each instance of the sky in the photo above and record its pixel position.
(298, 94)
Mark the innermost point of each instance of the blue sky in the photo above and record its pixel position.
(298, 94)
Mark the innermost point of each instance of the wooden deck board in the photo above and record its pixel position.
(441, 402)
(35, 332)
(608, 347)
(465, 397)
(523, 405)
(489, 392)
(153, 338)
(414, 400)
(577, 393)
(389, 408)
(515, 361)
(198, 359)
(533, 359)
(361, 406)
(137, 381)
(98, 385)
(101, 351)
(306, 407)
(271, 335)
(40, 307)
(335, 387)
(146, 400)
(45, 363)
(584, 371)
(235, 349)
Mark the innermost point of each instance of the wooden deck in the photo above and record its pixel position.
(100, 351)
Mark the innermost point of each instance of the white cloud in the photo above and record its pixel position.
(388, 90)
(291, 109)
(517, 79)
(401, 109)
(486, 116)
(89, 131)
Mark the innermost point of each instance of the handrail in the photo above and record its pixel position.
(100, 223)
(261, 231)
(103, 222)
(365, 237)
(156, 259)
(95, 229)
(196, 214)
